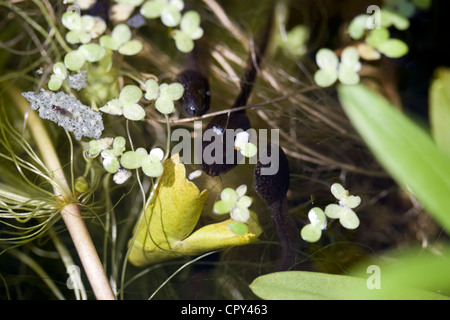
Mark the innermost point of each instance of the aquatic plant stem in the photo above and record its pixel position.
(70, 213)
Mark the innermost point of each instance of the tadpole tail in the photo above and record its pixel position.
(272, 188)
(287, 233)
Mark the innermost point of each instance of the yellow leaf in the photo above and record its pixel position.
(217, 236)
(165, 230)
(171, 217)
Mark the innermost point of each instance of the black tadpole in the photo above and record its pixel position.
(236, 120)
(196, 97)
(273, 188)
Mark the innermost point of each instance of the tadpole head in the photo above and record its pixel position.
(272, 187)
(196, 98)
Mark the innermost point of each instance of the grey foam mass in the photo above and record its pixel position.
(67, 112)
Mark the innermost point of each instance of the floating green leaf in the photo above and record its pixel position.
(74, 60)
(92, 52)
(393, 48)
(358, 26)
(131, 48)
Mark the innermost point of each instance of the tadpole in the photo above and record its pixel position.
(272, 188)
(196, 97)
(236, 119)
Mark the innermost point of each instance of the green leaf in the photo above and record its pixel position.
(358, 26)
(190, 22)
(152, 166)
(55, 82)
(151, 89)
(389, 18)
(229, 195)
(338, 191)
(164, 105)
(377, 37)
(348, 75)
(173, 91)
(119, 145)
(327, 59)
(311, 233)
(393, 48)
(402, 148)
(240, 214)
(131, 48)
(152, 9)
(317, 218)
(183, 41)
(333, 211)
(109, 42)
(130, 94)
(121, 33)
(348, 218)
(223, 207)
(303, 285)
(92, 52)
(325, 78)
(440, 109)
(60, 69)
(133, 112)
(74, 60)
(132, 159)
(238, 228)
(71, 20)
(170, 16)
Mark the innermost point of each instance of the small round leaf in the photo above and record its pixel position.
(349, 219)
(393, 48)
(55, 82)
(229, 195)
(190, 22)
(152, 9)
(133, 112)
(121, 33)
(183, 42)
(131, 48)
(164, 105)
(311, 233)
(92, 52)
(327, 59)
(333, 211)
(325, 78)
(338, 191)
(109, 42)
(132, 159)
(152, 89)
(317, 218)
(170, 16)
(238, 228)
(152, 167)
(130, 94)
(240, 214)
(74, 60)
(223, 207)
